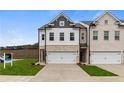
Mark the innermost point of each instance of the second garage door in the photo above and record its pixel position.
(105, 58)
(61, 57)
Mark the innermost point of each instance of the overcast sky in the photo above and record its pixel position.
(20, 27)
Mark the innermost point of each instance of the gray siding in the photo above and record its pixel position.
(62, 18)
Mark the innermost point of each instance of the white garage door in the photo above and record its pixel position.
(61, 57)
(105, 58)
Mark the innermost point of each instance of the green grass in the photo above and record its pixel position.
(21, 67)
(96, 71)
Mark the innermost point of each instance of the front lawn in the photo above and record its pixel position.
(21, 67)
(96, 71)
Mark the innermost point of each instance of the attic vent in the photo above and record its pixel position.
(61, 23)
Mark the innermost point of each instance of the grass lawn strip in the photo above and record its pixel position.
(21, 67)
(96, 71)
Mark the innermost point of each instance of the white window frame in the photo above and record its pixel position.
(61, 23)
(51, 36)
(117, 35)
(106, 36)
(72, 36)
(95, 35)
(61, 36)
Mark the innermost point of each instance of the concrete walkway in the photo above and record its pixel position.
(61, 73)
(5, 78)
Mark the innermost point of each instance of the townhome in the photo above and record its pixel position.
(100, 41)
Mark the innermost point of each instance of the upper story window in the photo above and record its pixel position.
(43, 36)
(71, 36)
(106, 35)
(61, 23)
(61, 36)
(106, 22)
(117, 35)
(51, 36)
(82, 36)
(95, 35)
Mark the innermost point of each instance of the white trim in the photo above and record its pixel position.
(61, 14)
(85, 25)
(61, 23)
(104, 14)
(51, 24)
(121, 23)
(72, 24)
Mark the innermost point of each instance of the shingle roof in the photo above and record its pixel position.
(46, 25)
(78, 25)
(43, 27)
(122, 20)
(87, 22)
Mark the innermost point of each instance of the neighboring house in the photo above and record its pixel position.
(92, 42)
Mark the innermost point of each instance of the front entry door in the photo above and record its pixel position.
(83, 55)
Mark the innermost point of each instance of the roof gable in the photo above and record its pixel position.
(59, 16)
(106, 12)
(86, 22)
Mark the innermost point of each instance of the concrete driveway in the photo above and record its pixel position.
(73, 73)
(117, 69)
(68, 73)
(61, 73)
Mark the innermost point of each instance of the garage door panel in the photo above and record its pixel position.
(61, 57)
(106, 58)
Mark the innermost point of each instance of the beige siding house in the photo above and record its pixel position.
(63, 41)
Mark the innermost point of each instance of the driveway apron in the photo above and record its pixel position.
(61, 73)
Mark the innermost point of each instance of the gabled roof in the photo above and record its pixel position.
(84, 23)
(106, 12)
(43, 27)
(122, 21)
(87, 22)
(59, 15)
(46, 25)
(79, 25)
(90, 22)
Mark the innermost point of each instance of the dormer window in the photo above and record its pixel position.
(61, 23)
(106, 22)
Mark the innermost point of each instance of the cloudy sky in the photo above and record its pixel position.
(20, 27)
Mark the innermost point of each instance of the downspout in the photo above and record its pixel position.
(45, 46)
(89, 42)
(39, 45)
(87, 57)
(79, 45)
